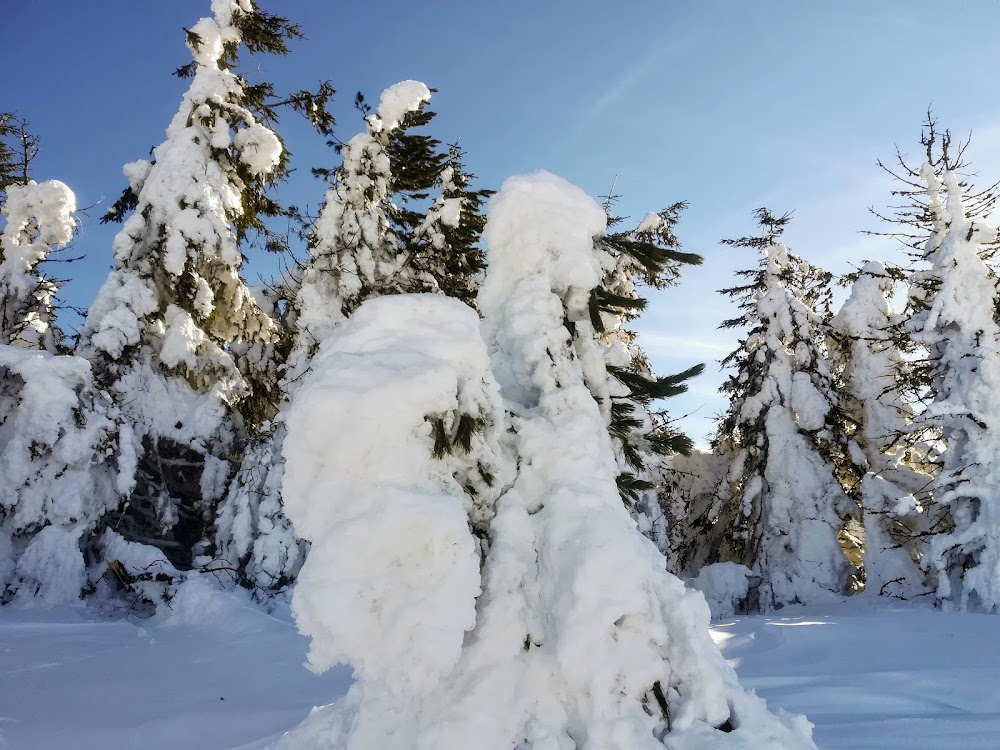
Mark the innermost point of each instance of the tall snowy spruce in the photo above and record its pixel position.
(372, 238)
(781, 506)
(951, 313)
(893, 488)
(623, 381)
(174, 321)
(524, 610)
(55, 426)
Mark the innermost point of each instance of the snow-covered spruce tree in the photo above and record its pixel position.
(951, 313)
(781, 506)
(174, 321)
(57, 434)
(356, 251)
(55, 430)
(872, 365)
(623, 382)
(569, 632)
(369, 240)
(39, 219)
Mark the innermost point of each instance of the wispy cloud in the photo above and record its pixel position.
(635, 74)
(628, 80)
(669, 345)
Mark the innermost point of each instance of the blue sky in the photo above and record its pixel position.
(729, 105)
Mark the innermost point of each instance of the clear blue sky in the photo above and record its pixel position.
(724, 103)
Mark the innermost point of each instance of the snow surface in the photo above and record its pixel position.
(869, 678)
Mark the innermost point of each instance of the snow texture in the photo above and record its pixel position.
(576, 617)
(354, 254)
(870, 678)
(392, 576)
(725, 585)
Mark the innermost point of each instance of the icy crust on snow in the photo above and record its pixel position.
(964, 340)
(392, 576)
(39, 219)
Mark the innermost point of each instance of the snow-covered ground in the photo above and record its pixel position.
(870, 679)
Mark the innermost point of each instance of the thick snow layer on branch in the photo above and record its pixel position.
(784, 498)
(579, 618)
(552, 224)
(354, 254)
(52, 443)
(390, 582)
(170, 328)
(398, 100)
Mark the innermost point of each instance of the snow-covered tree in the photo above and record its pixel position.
(39, 219)
(369, 240)
(871, 366)
(57, 433)
(175, 320)
(565, 630)
(624, 383)
(781, 506)
(55, 430)
(951, 313)
(354, 253)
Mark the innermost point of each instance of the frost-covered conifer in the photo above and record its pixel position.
(55, 426)
(871, 367)
(951, 313)
(368, 241)
(781, 505)
(565, 630)
(56, 434)
(39, 219)
(624, 383)
(174, 321)
(354, 253)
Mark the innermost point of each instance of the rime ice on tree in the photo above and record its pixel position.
(164, 329)
(366, 243)
(781, 503)
(953, 306)
(562, 628)
(871, 363)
